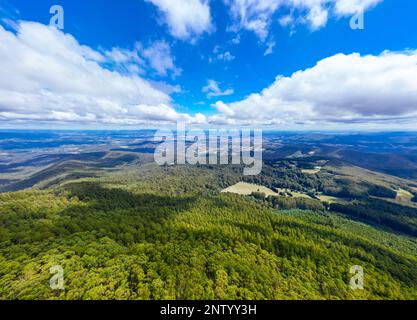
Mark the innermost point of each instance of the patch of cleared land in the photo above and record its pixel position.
(404, 198)
(311, 171)
(404, 195)
(367, 176)
(329, 199)
(247, 189)
(294, 194)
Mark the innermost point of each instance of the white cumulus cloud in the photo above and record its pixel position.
(339, 89)
(186, 19)
(258, 15)
(156, 57)
(47, 75)
(213, 90)
(160, 58)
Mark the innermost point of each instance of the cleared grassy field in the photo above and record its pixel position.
(311, 171)
(404, 195)
(294, 194)
(246, 189)
(329, 199)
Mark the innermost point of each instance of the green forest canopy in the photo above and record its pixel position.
(164, 237)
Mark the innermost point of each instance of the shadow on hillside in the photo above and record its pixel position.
(102, 198)
(120, 214)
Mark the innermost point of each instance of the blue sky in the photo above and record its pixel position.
(209, 64)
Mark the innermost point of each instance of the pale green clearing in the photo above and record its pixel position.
(404, 195)
(295, 194)
(247, 189)
(329, 199)
(311, 171)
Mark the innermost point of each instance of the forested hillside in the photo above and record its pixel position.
(170, 234)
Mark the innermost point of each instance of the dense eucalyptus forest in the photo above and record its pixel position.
(168, 233)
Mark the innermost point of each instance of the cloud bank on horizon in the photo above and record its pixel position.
(48, 76)
(339, 89)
